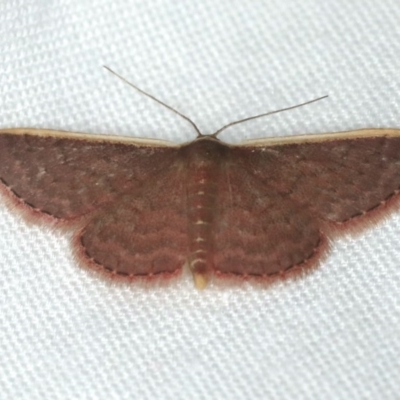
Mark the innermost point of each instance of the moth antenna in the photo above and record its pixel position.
(199, 134)
(265, 114)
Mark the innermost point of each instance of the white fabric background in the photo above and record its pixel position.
(335, 334)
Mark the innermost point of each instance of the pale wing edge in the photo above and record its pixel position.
(89, 137)
(311, 138)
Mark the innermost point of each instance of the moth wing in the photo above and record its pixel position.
(259, 232)
(142, 233)
(67, 175)
(338, 177)
(301, 189)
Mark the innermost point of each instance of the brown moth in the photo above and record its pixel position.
(141, 208)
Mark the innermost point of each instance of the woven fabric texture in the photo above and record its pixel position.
(65, 333)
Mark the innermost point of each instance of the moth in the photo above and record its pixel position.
(141, 208)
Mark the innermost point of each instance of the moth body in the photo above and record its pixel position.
(204, 159)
